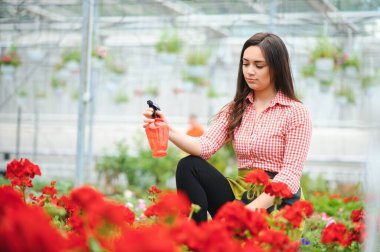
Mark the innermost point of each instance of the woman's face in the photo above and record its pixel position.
(255, 70)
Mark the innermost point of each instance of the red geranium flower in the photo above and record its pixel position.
(350, 199)
(278, 189)
(96, 211)
(277, 241)
(245, 220)
(357, 215)
(257, 177)
(358, 232)
(154, 190)
(335, 233)
(25, 228)
(215, 237)
(169, 204)
(296, 213)
(20, 172)
(148, 239)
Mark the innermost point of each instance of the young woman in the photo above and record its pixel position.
(269, 127)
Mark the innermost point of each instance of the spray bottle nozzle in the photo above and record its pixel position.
(154, 106)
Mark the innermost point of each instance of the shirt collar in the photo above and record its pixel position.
(280, 98)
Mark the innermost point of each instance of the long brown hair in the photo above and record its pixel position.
(277, 57)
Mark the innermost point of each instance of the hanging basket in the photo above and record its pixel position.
(324, 68)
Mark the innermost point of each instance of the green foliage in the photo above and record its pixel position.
(334, 207)
(54, 210)
(63, 186)
(326, 83)
(72, 54)
(57, 83)
(328, 201)
(22, 93)
(197, 81)
(158, 169)
(10, 58)
(212, 93)
(198, 58)
(169, 42)
(121, 98)
(152, 91)
(4, 181)
(308, 70)
(110, 167)
(113, 66)
(348, 93)
(317, 185)
(324, 49)
(223, 158)
(351, 61)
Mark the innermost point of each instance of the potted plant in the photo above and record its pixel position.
(57, 83)
(10, 61)
(324, 56)
(168, 46)
(21, 96)
(71, 54)
(98, 56)
(350, 64)
(346, 95)
(151, 91)
(308, 70)
(324, 85)
(197, 61)
(121, 98)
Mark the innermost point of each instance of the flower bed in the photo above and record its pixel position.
(86, 220)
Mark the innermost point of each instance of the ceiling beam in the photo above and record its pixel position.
(183, 9)
(334, 16)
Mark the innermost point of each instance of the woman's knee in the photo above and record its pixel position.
(186, 164)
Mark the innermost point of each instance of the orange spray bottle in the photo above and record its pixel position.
(157, 133)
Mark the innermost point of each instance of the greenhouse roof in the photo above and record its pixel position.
(129, 22)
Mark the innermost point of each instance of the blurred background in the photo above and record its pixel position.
(184, 55)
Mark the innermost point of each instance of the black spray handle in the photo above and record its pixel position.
(154, 106)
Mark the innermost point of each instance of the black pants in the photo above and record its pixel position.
(204, 185)
(208, 188)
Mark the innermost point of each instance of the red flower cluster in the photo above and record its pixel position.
(93, 223)
(154, 190)
(278, 189)
(357, 215)
(21, 172)
(169, 204)
(335, 233)
(153, 193)
(339, 234)
(296, 213)
(25, 228)
(257, 177)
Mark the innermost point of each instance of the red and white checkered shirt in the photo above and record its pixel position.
(277, 141)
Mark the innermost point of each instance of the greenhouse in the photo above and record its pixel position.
(75, 81)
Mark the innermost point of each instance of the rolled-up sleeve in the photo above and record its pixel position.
(297, 143)
(215, 137)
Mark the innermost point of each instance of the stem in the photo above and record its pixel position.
(190, 214)
(23, 193)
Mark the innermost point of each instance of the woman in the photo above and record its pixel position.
(269, 127)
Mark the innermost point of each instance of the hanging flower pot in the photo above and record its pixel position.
(324, 68)
(7, 72)
(325, 85)
(197, 71)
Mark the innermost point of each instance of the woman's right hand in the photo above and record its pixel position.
(148, 116)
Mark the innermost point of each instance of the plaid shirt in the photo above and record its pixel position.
(277, 140)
